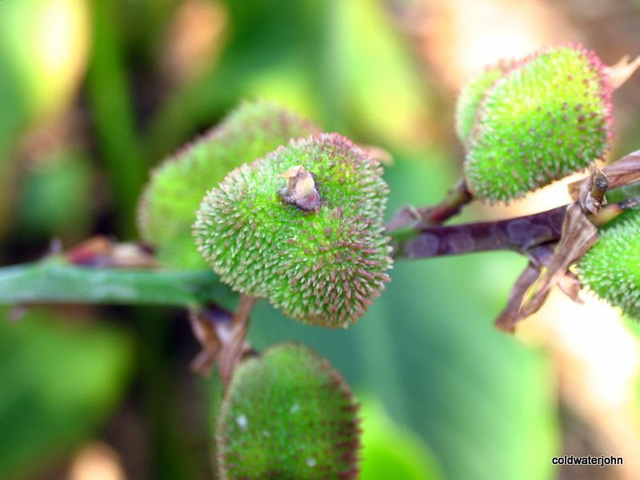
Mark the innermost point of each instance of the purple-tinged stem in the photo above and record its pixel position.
(456, 198)
(518, 234)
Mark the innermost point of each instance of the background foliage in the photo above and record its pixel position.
(94, 94)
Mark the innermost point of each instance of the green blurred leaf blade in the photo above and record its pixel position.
(58, 385)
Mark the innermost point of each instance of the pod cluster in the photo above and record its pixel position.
(172, 196)
(303, 228)
(611, 268)
(287, 414)
(529, 122)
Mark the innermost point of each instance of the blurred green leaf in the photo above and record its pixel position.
(389, 451)
(342, 63)
(58, 384)
(56, 196)
(12, 106)
(113, 115)
(270, 42)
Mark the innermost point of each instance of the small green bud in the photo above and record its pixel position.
(547, 117)
(611, 268)
(168, 205)
(287, 414)
(303, 228)
(471, 96)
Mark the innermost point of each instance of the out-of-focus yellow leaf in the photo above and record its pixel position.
(371, 74)
(44, 47)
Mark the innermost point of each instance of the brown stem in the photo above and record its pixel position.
(210, 325)
(527, 278)
(456, 198)
(520, 234)
(222, 335)
(235, 346)
(415, 232)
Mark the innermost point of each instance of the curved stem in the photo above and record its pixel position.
(519, 234)
(452, 205)
(55, 281)
(456, 199)
(233, 349)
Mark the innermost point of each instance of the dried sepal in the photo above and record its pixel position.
(578, 235)
(287, 414)
(322, 265)
(547, 117)
(622, 71)
(621, 173)
(170, 200)
(301, 190)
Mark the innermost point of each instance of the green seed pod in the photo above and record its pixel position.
(611, 268)
(472, 94)
(303, 228)
(168, 205)
(287, 414)
(549, 116)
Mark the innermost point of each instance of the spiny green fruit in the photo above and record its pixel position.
(168, 205)
(287, 415)
(303, 228)
(472, 94)
(547, 117)
(611, 268)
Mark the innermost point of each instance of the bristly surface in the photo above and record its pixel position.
(168, 206)
(323, 267)
(548, 117)
(288, 415)
(611, 268)
(471, 95)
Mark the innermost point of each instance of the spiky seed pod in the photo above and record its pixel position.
(611, 268)
(471, 96)
(312, 243)
(547, 117)
(168, 205)
(287, 414)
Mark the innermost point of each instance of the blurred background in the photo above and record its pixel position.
(93, 94)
